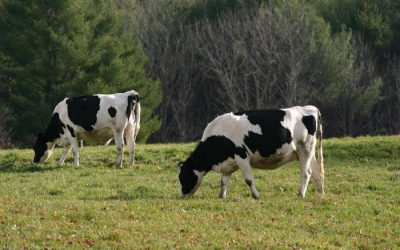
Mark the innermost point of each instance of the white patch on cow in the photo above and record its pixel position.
(293, 121)
(231, 126)
(287, 147)
(63, 140)
(227, 166)
(200, 175)
(47, 153)
(300, 132)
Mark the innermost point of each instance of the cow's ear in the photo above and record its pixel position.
(180, 164)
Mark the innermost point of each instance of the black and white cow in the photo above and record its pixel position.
(262, 139)
(98, 118)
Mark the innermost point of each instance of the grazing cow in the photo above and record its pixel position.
(98, 118)
(262, 139)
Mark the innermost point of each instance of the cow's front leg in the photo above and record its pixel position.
(119, 144)
(225, 179)
(65, 151)
(245, 167)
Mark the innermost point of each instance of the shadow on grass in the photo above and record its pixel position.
(125, 197)
(27, 168)
(138, 193)
(12, 163)
(133, 196)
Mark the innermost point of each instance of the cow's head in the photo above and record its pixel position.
(189, 178)
(42, 149)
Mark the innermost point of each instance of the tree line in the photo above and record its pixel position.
(192, 60)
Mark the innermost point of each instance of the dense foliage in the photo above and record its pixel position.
(50, 50)
(214, 57)
(207, 57)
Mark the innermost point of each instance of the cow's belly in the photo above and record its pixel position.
(227, 166)
(102, 136)
(63, 141)
(274, 161)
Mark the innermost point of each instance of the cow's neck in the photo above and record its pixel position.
(205, 156)
(50, 139)
(53, 130)
(200, 163)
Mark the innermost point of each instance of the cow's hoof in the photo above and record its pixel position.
(301, 196)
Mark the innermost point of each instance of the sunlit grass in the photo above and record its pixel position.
(47, 206)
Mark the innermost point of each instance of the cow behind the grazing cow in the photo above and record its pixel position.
(97, 118)
(262, 139)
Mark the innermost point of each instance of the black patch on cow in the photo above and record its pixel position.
(112, 112)
(52, 132)
(310, 123)
(71, 131)
(273, 136)
(132, 100)
(82, 111)
(54, 129)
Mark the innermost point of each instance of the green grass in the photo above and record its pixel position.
(96, 206)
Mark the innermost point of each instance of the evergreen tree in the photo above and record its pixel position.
(54, 49)
(371, 18)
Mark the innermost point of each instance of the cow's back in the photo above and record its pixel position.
(230, 126)
(250, 127)
(95, 117)
(266, 131)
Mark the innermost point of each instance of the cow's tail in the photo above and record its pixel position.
(137, 117)
(320, 155)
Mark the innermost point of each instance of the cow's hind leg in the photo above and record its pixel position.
(318, 175)
(305, 170)
(75, 149)
(245, 167)
(130, 142)
(119, 144)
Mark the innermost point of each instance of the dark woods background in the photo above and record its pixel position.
(192, 60)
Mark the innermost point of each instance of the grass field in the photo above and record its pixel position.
(96, 206)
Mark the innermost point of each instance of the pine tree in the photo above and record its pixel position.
(54, 49)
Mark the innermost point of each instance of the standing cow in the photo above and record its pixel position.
(262, 139)
(98, 118)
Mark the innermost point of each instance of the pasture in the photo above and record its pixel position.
(96, 206)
